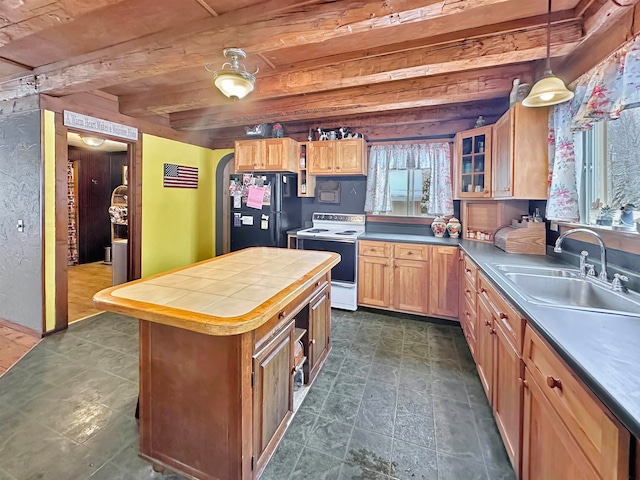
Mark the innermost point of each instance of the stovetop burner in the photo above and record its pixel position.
(347, 232)
(318, 230)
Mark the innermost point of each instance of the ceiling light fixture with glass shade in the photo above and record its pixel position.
(549, 90)
(232, 79)
(91, 141)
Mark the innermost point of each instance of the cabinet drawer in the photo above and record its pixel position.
(602, 439)
(375, 249)
(510, 320)
(408, 251)
(470, 270)
(469, 291)
(468, 319)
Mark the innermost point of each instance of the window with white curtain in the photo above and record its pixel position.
(410, 180)
(610, 167)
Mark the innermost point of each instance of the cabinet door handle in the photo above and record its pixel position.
(483, 290)
(493, 331)
(506, 189)
(466, 290)
(524, 383)
(487, 323)
(317, 284)
(409, 252)
(467, 314)
(313, 342)
(282, 314)
(468, 270)
(554, 382)
(486, 191)
(503, 316)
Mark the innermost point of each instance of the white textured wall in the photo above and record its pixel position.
(20, 198)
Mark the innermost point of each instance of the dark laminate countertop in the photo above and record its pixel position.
(602, 349)
(408, 238)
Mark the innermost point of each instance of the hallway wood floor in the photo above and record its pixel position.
(84, 281)
(13, 346)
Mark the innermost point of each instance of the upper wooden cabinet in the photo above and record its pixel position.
(267, 155)
(472, 163)
(337, 157)
(520, 154)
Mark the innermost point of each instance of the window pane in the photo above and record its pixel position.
(398, 185)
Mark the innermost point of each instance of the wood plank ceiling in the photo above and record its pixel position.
(387, 68)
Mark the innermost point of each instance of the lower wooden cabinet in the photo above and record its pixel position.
(406, 277)
(553, 427)
(549, 449)
(319, 331)
(410, 286)
(272, 391)
(374, 281)
(484, 347)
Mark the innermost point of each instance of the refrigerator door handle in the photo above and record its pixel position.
(274, 229)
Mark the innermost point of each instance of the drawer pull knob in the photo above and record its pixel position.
(282, 314)
(525, 383)
(313, 342)
(554, 383)
(466, 290)
(503, 316)
(487, 323)
(493, 331)
(467, 314)
(317, 284)
(409, 252)
(483, 290)
(468, 270)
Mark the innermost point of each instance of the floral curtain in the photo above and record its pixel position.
(600, 94)
(434, 159)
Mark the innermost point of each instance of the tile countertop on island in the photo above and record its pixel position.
(602, 349)
(225, 295)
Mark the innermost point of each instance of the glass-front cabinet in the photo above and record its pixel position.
(472, 163)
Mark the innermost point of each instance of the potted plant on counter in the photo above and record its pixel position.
(606, 216)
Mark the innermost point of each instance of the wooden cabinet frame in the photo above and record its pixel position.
(337, 157)
(267, 155)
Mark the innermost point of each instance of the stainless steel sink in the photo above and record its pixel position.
(573, 292)
(546, 271)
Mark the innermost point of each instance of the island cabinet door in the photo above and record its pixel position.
(319, 330)
(272, 394)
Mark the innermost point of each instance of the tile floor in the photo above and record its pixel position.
(397, 399)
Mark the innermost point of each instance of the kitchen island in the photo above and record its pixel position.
(217, 355)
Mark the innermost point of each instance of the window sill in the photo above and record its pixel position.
(624, 240)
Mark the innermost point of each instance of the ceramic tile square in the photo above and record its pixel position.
(213, 274)
(411, 462)
(330, 437)
(246, 278)
(195, 301)
(170, 280)
(196, 283)
(275, 282)
(370, 451)
(148, 293)
(231, 307)
(257, 293)
(224, 289)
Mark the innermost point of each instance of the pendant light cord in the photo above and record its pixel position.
(548, 66)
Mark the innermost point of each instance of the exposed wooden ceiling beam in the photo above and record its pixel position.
(494, 50)
(27, 17)
(455, 88)
(607, 26)
(262, 27)
(207, 7)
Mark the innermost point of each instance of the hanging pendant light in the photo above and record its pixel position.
(549, 90)
(232, 79)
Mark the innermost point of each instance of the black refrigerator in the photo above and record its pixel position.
(267, 226)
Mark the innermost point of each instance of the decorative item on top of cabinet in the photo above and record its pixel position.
(337, 157)
(267, 155)
(453, 227)
(520, 154)
(472, 163)
(438, 227)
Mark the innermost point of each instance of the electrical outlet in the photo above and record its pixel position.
(553, 227)
(20, 226)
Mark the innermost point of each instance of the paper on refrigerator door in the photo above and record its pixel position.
(264, 224)
(256, 197)
(237, 201)
(247, 219)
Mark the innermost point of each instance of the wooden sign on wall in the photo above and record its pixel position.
(97, 125)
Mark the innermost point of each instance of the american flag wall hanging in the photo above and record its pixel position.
(180, 176)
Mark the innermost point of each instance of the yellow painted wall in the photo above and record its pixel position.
(49, 151)
(178, 224)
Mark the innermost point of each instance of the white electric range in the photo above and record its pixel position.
(336, 232)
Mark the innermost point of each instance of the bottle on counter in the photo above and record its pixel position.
(303, 187)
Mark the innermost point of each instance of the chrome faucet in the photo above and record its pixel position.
(603, 252)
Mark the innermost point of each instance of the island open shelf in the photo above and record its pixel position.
(217, 355)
